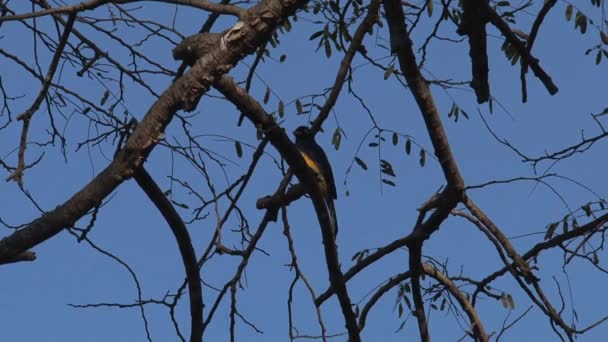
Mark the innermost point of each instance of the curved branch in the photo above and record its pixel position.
(444, 280)
(93, 4)
(155, 194)
(394, 281)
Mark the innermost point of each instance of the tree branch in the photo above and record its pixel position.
(477, 325)
(242, 39)
(93, 4)
(155, 194)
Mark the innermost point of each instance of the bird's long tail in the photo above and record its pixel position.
(332, 214)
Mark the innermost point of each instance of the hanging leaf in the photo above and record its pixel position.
(550, 230)
(604, 37)
(299, 106)
(282, 58)
(104, 98)
(361, 163)
(239, 149)
(281, 109)
(267, 95)
(587, 209)
(408, 147)
(386, 168)
(429, 7)
(596, 258)
(327, 48)
(407, 302)
(388, 182)
(422, 158)
(336, 138)
(569, 12)
(316, 35)
(395, 139)
(389, 71)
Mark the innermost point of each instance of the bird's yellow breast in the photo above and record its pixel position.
(315, 167)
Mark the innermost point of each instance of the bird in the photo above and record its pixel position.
(316, 159)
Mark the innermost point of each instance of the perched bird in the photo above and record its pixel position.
(316, 159)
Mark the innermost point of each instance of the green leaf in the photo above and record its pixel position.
(389, 71)
(239, 149)
(388, 182)
(408, 146)
(281, 109)
(550, 230)
(604, 37)
(104, 98)
(327, 48)
(587, 209)
(316, 35)
(580, 22)
(386, 168)
(336, 138)
(407, 302)
(569, 12)
(333, 5)
(395, 139)
(401, 326)
(267, 95)
(596, 258)
(361, 163)
(422, 158)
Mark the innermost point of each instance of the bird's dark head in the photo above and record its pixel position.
(302, 132)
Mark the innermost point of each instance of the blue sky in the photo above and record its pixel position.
(33, 303)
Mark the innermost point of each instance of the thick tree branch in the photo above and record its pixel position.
(93, 4)
(474, 21)
(180, 231)
(255, 28)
